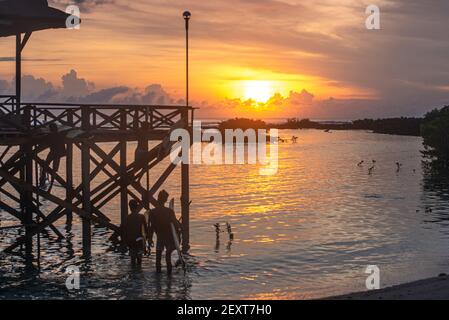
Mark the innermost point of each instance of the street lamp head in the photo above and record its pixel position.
(186, 15)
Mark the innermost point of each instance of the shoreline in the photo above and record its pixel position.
(436, 288)
(392, 126)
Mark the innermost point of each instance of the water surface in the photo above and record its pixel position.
(308, 231)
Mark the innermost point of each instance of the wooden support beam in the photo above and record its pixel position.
(27, 196)
(10, 210)
(123, 185)
(18, 71)
(57, 213)
(69, 181)
(85, 178)
(4, 153)
(74, 193)
(103, 123)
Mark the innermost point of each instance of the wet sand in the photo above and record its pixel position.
(428, 289)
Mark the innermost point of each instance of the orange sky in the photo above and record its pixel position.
(252, 50)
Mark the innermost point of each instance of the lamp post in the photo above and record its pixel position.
(187, 16)
(185, 192)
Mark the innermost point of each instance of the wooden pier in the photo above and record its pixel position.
(24, 136)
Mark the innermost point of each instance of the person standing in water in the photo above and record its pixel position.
(160, 219)
(57, 151)
(141, 156)
(134, 233)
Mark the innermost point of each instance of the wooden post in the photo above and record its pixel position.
(185, 196)
(18, 71)
(22, 172)
(85, 173)
(123, 173)
(69, 179)
(69, 171)
(27, 195)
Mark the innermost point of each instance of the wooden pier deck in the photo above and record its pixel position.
(24, 135)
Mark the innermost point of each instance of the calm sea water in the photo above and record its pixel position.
(309, 231)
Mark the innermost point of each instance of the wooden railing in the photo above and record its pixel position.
(99, 117)
(7, 104)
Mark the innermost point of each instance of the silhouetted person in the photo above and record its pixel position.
(160, 219)
(57, 151)
(134, 231)
(141, 155)
(141, 152)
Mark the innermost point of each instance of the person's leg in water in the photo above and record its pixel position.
(139, 259)
(48, 161)
(139, 253)
(168, 252)
(159, 249)
(133, 255)
(56, 162)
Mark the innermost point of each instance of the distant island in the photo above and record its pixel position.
(399, 126)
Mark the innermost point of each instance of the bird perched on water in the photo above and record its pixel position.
(398, 166)
(229, 228)
(360, 163)
(370, 170)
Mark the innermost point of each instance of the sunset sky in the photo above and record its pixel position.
(258, 58)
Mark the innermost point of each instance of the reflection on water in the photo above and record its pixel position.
(308, 231)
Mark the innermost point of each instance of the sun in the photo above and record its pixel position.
(258, 90)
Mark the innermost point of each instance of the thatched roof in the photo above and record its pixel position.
(20, 16)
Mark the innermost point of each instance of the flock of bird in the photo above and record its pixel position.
(398, 168)
(373, 166)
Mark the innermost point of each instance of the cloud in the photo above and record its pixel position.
(101, 96)
(79, 90)
(404, 65)
(5, 87)
(299, 104)
(38, 89)
(84, 5)
(73, 87)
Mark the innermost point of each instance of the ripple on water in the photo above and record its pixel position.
(308, 231)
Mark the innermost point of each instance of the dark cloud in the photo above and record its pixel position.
(101, 96)
(5, 87)
(74, 87)
(84, 5)
(79, 90)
